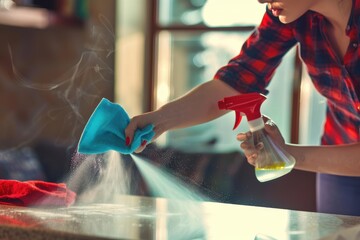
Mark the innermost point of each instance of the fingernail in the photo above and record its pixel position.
(127, 141)
(143, 143)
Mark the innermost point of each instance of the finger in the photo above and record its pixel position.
(158, 131)
(142, 147)
(259, 146)
(251, 156)
(248, 134)
(247, 146)
(266, 118)
(130, 131)
(271, 128)
(249, 151)
(268, 121)
(139, 150)
(270, 125)
(241, 137)
(244, 136)
(252, 159)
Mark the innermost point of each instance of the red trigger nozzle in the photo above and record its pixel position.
(249, 104)
(238, 118)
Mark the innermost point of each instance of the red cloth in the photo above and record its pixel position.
(35, 193)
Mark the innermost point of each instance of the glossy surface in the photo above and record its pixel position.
(149, 218)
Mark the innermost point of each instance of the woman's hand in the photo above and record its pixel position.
(254, 153)
(139, 122)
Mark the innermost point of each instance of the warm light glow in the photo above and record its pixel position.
(163, 87)
(232, 12)
(6, 4)
(164, 63)
(25, 17)
(312, 112)
(130, 54)
(273, 223)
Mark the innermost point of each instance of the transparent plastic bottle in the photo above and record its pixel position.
(272, 161)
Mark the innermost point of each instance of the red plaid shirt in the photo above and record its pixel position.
(336, 79)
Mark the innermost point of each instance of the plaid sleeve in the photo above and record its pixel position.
(253, 68)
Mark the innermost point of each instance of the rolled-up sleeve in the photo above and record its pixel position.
(252, 69)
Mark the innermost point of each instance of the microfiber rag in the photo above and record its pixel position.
(35, 193)
(105, 130)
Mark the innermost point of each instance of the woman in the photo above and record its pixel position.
(327, 33)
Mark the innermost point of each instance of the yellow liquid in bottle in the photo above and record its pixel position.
(271, 172)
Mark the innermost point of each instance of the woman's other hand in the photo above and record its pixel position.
(252, 152)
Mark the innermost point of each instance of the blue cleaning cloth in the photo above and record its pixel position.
(105, 130)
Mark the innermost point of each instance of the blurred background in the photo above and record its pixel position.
(59, 58)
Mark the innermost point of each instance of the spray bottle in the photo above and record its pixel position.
(272, 161)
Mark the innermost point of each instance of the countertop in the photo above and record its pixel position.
(135, 217)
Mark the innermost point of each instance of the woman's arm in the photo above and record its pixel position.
(198, 106)
(334, 159)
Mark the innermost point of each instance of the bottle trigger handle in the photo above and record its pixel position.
(238, 118)
(247, 104)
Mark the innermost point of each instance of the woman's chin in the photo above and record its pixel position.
(285, 19)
